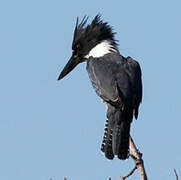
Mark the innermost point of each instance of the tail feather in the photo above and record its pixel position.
(116, 136)
(121, 140)
(106, 146)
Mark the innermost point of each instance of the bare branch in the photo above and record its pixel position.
(176, 174)
(129, 174)
(137, 157)
(139, 164)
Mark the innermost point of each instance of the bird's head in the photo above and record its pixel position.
(96, 39)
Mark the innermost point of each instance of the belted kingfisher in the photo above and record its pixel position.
(116, 80)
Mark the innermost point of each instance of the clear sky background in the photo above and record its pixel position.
(54, 129)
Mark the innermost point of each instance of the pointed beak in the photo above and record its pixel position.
(69, 67)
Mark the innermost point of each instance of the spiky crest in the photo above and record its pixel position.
(95, 32)
(79, 28)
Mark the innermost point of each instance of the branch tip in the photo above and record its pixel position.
(129, 174)
(176, 174)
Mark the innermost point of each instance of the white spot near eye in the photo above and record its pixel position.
(101, 49)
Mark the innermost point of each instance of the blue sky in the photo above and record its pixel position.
(53, 129)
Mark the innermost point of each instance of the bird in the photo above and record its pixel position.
(116, 79)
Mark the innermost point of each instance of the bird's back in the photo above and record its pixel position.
(105, 71)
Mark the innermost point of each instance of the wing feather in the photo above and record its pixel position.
(117, 80)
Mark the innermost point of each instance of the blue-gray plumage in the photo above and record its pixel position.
(116, 80)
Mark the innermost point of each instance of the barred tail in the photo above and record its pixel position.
(106, 146)
(120, 142)
(116, 135)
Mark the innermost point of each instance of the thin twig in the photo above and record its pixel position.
(137, 158)
(129, 174)
(176, 174)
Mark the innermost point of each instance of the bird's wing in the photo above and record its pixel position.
(116, 80)
(102, 73)
(136, 81)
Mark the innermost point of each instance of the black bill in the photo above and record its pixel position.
(68, 67)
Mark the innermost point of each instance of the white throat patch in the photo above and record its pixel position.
(101, 49)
